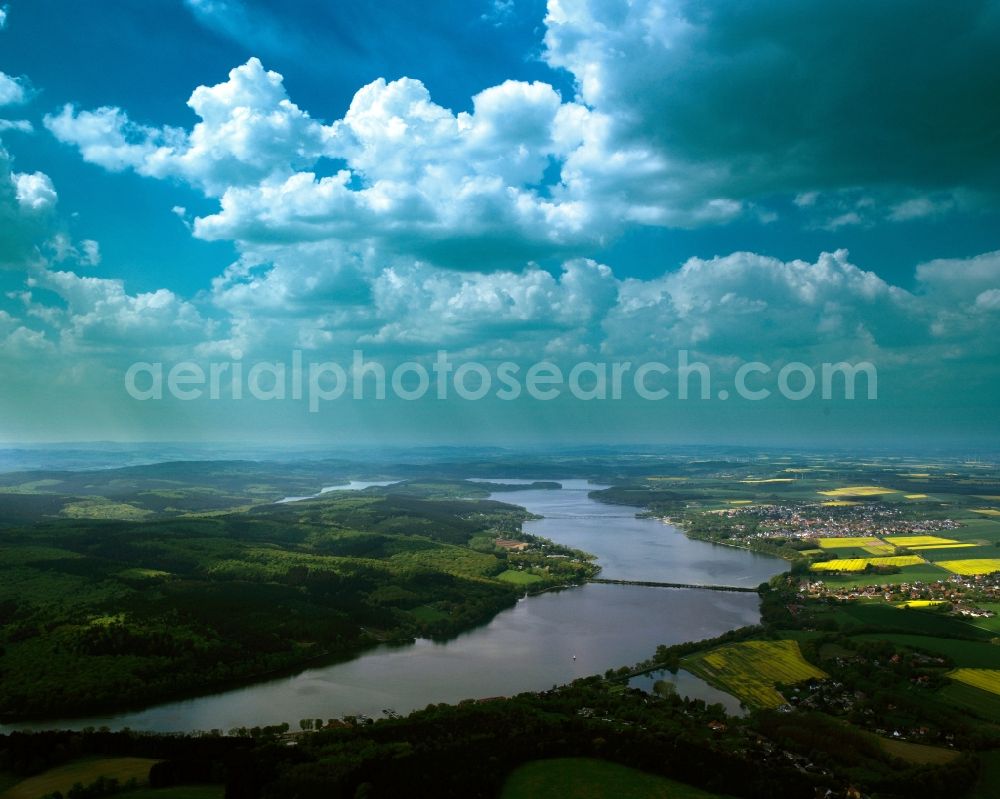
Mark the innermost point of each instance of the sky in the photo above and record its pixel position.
(576, 182)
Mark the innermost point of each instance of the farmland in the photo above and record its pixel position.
(750, 670)
(974, 566)
(85, 772)
(860, 564)
(847, 541)
(919, 540)
(858, 491)
(984, 679)
(584, 778)
(515, 577)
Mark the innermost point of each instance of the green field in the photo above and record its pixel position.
(992, 623)
(750, 670)
(926, 573)
(586, 778)
(960, 553)
(916, 753)
(973, 700)
(519, 577)
(988, 785)
(887, 617)
(180, 792)
(964, 654)
(62, 778)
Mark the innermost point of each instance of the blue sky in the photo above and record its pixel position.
(571, 180)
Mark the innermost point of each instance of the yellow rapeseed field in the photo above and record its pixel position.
(956, 545)
(915, 496)
(919, 540)
(838, 503)
(971, 567)
(879, 549)
(749, 670)
(985, 679)
(921, 603)
(986, 511)
(858, 491)
(859, 564)
(849, 541)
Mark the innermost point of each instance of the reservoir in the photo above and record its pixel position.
(528, 647)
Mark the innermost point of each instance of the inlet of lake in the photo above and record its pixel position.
(542, 641)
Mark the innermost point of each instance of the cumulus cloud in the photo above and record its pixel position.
(740, 306)
(950, 280)
(34, 191)
(920, 208)
(24, 201)
(765, 98)
(249, 131)
(523, 173)
(20, 125)
(750, 305)
(498, 314)
(99, 314)
(405, 224)
(12, 90)
(963, 294)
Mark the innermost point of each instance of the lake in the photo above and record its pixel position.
(526, 648)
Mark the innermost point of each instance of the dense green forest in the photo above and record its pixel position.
(101, 614)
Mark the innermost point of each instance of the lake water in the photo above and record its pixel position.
(687, 684)
(526, 648)
(352, 485)
(629, 548)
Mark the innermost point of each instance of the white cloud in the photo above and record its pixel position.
(249, 130)
(521, 174)
(108, 138)
(90, 252)
(24, 343)
(498, 314)
(989, 300)
(100, 315)
(848, 219)
(22, 227)
(34, 190)
(741, 306)
(20, 125)
(750, 305)
(920, 208)
(12, 90)
(3, 17)
(750, 101)
(951, 280)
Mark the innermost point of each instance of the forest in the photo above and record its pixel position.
(100, 614)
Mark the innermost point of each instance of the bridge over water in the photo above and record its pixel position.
(651, 584)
